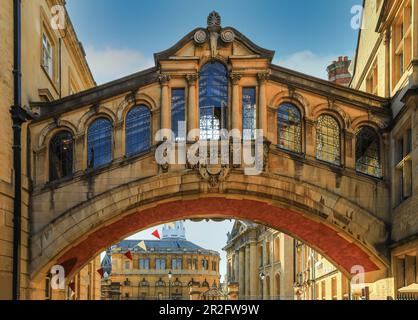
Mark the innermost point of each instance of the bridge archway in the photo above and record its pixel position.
(304, 213)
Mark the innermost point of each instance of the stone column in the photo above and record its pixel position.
(192, 106)
(350, 149)
(262, 102)
(254, 271)
(247, 272)
(236, 266)
(310, 137)
(241, 272)
(165, 105)
(236, 114)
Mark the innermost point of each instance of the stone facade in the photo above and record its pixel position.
(259, 263)
(331, 206)
(37, 85)
(387, 63)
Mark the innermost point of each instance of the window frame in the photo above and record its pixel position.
(340, 163)
(111, 142)
(50, 153)
(378, 152)
(146, 149)
(301, 128)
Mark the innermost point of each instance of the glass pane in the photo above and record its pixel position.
(328, 144)
(213, 100)
(138, 130)
(177, 112)
(367, 152)
(249, 113)
(289, 127)
(61, 155)
(99, 143)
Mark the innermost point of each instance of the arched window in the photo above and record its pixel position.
(138, 130)
(368, 152)
(328, 140)
(213, 100)
(61, 151)
(289, 126)
(99, 143)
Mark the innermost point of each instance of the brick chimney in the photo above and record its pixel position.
(338, 71)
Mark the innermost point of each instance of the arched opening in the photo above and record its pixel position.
(328, 140)
(213, 100)
(368, 152)
(61, 155)
(138, 130)
(289, 126)
(99, 143)
(277, 287)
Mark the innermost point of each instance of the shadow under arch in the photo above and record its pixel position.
(339, 250)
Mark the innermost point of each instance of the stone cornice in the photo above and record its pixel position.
(330, 90)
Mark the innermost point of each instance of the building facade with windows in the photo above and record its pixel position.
(316, 278)
(171, 269)
(259, 263)
(346, 156)
(386, 64)
(52, 66)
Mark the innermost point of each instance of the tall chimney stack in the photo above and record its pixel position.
(338, 71)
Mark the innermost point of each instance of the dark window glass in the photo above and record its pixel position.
(138, 130)
(178, 113)
(99, 143)
(289, 128)
(249, 113)
(328, 140)
(213, 100)
(367, 152)
(61, 150)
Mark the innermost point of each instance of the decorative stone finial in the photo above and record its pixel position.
(214, 19)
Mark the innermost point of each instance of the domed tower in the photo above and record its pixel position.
(175, 230)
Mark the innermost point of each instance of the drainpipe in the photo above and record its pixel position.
(18, 116)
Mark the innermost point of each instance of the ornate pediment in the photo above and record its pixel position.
(213, 38)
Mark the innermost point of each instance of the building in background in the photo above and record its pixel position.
(316, 278)
(172, 268)
(387, 65)
(338, 71)
(259, 263)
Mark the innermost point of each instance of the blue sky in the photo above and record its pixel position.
(120, 38)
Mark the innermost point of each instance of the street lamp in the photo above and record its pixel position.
(170, 275)
(262, 277)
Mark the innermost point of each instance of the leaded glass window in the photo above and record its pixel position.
(367, 152)
(328, 140)
(99, 143)
(138, 130)
(178, 113)
(61, 152)
(249, 113)
(213, 100)
(289, 126)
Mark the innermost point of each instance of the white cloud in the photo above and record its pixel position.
(308, 62)
(111, 63)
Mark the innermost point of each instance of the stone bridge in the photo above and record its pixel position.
(324, 174)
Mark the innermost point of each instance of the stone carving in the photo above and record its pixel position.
(263, 76)
(215, 32)
(200, 36)
(164, 79)
(214, 19)
(227, 35)
(235, 77)
(214, 174)
(192, 78)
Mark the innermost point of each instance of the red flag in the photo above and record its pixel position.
(101, 272)
(72, 286)
(129, 255)
(156, 234)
